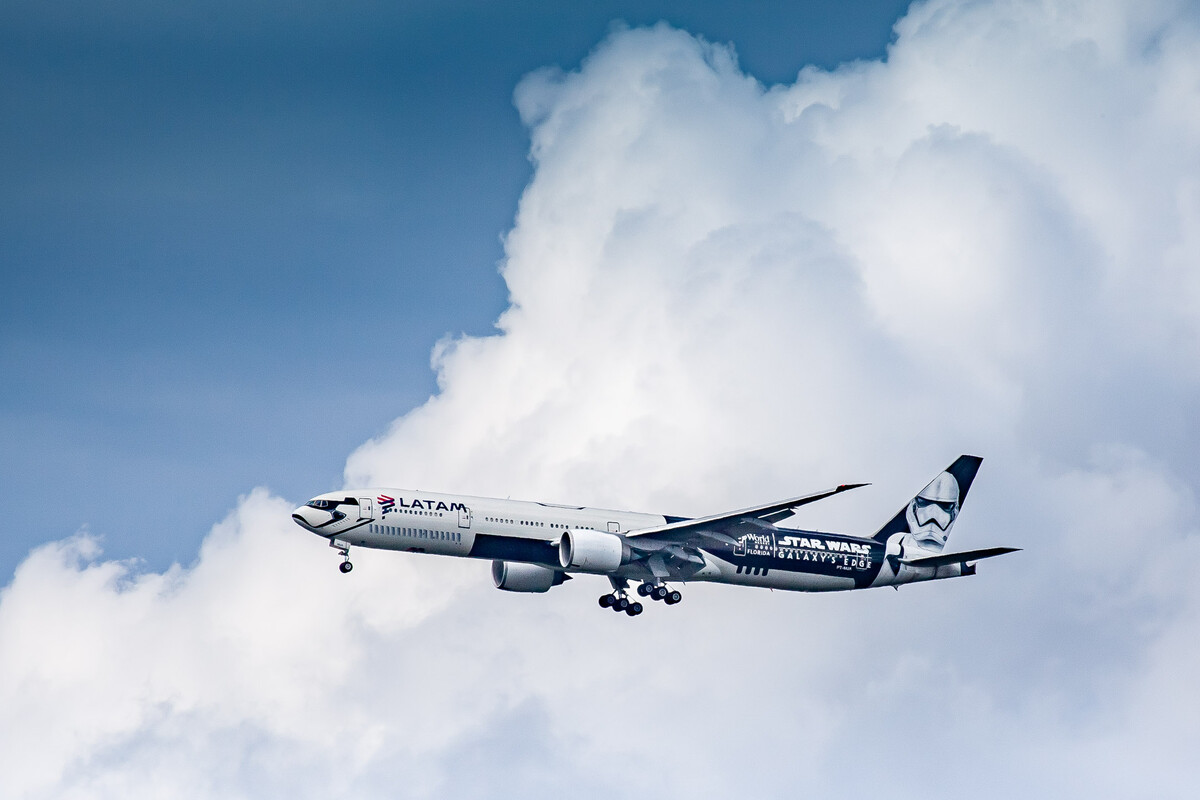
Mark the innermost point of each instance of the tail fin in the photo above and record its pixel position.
(927, 519)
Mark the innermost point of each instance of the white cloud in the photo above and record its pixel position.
(723, 293)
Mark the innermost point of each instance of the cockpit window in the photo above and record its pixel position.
(321, 504)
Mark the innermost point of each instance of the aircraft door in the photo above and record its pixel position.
(366, 508)
(464, 517)
(614, 527)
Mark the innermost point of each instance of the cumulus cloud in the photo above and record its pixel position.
(723, 293)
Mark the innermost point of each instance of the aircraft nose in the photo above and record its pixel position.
(303, 516)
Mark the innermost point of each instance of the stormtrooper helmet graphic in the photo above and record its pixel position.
(932, 512)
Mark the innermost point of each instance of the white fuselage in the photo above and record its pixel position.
(428, 522)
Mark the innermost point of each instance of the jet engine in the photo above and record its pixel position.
(592, 551)
(512, 577)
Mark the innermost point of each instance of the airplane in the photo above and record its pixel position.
(537, 546)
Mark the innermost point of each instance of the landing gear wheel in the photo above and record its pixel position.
(644, 589)
(622, 604)
(673, 598)
(345, 567)
(607, 600)
(634, 609)
(660, 593)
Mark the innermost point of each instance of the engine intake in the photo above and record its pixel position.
(510, 577)
(592, 551)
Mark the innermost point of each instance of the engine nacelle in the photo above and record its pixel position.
(512, 577)
(592, 551)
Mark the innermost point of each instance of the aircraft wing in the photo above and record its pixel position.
(718, 526)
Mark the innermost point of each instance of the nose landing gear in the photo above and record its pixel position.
(344, 550)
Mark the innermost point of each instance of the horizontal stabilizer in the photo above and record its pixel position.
(943, 559)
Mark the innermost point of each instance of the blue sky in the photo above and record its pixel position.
(724, 274)
(216, 217)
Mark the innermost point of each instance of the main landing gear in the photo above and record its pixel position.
(620, 602)
(619, 599)
(658, 591)
(344, 550)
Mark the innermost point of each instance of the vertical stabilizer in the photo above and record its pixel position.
(926, 520)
